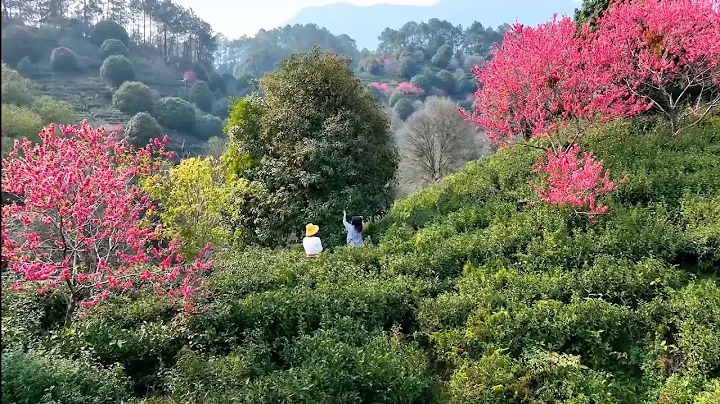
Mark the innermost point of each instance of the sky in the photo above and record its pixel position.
(234, 18)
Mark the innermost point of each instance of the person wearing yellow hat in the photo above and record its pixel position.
(311, 242)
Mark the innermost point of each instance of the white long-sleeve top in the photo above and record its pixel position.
(313, 246)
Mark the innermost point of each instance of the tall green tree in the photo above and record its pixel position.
(318, 143)
(591, 10)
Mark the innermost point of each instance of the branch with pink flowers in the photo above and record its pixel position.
(82, 221)
(553, 83)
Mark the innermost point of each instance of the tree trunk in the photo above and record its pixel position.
(70, 311)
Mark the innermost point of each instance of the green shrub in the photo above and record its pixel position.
(329, 364)
(141, 128)
(207, 126)
(133, 97)
(111, 47)
(117, 69)
(63, 60)
(394, 98)
(422, 81)
(18, 122)
(201, 96)
(18, 42)
(445, 81)
(41, 377)
(54, 111)
(404, 108)
(25, 66)
(221, 108)
(442, 57)
(466, 84)
(15, 88)
(175, 113)
(216, 83)
(106, 29)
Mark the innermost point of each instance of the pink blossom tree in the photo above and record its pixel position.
(79, 225)
(667, 52)
(573, 181)
(408, 88)
(539, 81)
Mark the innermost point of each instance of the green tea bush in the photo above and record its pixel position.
(15, 88)
(201, 96)
(18, 42)
(468, 291)
(41, 377)
(141, 128)
(174, 113)
(207, 126)
(63, 60)
(366, 367)
(18, 122)
(133, 97)
(111, 47)
(106, 29)
(117, 69)
(54, 111)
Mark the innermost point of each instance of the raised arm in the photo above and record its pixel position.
(347, 225)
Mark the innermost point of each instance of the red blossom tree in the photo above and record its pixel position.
(539, 81)
(573, 181)
(667, 52)
(380, 86)
(80, 220)
(408, 88)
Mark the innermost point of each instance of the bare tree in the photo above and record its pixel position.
(437, 141)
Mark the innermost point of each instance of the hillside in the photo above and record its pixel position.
(364, 23)
(465, 295)
(103, 76)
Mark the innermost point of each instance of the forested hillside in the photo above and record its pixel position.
(540, 221)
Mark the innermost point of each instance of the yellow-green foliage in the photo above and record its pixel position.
(18, 122)
(196, 203)
(54, 111)
(15, 88)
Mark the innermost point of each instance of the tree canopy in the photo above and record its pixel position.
(318, 143)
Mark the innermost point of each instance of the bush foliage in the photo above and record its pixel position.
(117, 69)
(141, 128)
(201, 96)
(175, 113)
(111, 47)
(133, 97)
(106, 29)
(63, 60)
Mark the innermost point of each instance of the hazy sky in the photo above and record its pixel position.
(235, 18)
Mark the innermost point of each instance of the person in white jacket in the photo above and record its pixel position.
(311, 242)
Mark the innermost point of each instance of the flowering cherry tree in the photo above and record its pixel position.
(408, 88)
(573, 181)
(539, 81)
(667, 52)
(79, 224)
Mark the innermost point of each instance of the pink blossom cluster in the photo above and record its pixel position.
(573, 180)
(408, 88)
(189, 75)
(380, 86)
(81, 219)
(643, 54)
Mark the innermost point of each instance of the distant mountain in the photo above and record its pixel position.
(365, 23)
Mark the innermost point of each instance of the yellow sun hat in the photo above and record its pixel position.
(311, 229)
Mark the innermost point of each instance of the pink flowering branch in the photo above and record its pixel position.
(666, 52)
(540, 81)
(570, 180)
(408, 88)
(81, 220)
